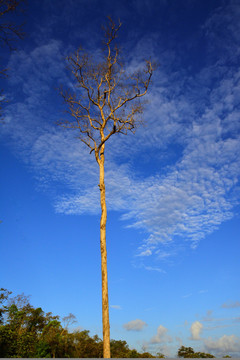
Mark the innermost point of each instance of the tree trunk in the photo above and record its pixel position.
(105, 305)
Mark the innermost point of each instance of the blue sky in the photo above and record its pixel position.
(172, 188)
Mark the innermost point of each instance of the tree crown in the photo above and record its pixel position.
(107, 95)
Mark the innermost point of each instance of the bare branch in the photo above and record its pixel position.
(9, 31)
(99, 107)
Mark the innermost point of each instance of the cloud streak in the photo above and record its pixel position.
(192, 126)
(117, 307)
(232, 305)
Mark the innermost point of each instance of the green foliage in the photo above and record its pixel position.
(26, 332)
(160, 356)
(119, 348)
(42, 350)
(148, 355)
(188, 352)
(185, 352)
(86, 346)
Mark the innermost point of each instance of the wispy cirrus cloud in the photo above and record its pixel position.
(216, 322)
(178, 177)
(117, 307)
(231, 305)
(153, 268)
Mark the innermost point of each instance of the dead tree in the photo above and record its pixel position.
(100, 107)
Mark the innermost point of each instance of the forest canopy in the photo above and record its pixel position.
(29, 332)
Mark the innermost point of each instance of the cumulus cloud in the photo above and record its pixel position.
(161, 336)
(135, 325)
(232, 305)
(225, 344)
(196, 329)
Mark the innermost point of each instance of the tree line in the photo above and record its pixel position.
(29, 332)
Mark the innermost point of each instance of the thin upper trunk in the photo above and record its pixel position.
(105, 306)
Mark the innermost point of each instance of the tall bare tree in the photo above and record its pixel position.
(99, 108)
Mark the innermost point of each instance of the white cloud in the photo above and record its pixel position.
(223, 345)
(152, 268)
(196, 329)
(149, 268)
(196, 132)
(135, 325)
(161, 336)
(145, 253)
(117, 307)
(37, 71)
(232, 305)
(190, 200)
(211, 319)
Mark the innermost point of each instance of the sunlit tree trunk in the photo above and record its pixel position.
(105, 305)
(99, 110)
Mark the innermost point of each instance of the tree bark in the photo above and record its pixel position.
(105, 305)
